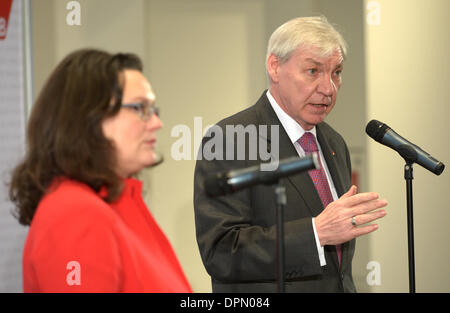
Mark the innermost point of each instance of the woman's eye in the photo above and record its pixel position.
(137, 107)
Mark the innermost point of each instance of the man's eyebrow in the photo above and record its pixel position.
(317, 63)
(313, 61)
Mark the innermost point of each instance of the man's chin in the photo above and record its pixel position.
(312, 121)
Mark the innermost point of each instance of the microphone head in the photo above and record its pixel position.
(439, 168)
(376, 130)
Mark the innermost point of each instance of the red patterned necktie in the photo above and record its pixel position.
(318, 176)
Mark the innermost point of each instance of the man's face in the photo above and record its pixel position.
(306, 85)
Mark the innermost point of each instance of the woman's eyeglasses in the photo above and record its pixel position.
(144, 109)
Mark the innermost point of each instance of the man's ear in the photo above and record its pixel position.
(273, 64)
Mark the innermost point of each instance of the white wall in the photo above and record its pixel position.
(112, 25)
(407, 82)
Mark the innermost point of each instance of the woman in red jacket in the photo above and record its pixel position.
(92, 127)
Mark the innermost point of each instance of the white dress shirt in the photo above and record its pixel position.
(295, 131)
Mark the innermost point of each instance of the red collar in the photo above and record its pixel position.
(131, 187)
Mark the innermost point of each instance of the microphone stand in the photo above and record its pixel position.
(280, 193)
(409, 205)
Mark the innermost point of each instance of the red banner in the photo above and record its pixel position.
(5, 8)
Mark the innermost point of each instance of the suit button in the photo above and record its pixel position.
(342, 276)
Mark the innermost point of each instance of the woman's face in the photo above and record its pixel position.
(134, 138)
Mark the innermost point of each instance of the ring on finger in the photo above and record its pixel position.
(354, 221)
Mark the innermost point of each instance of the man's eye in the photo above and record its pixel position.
(312, 71)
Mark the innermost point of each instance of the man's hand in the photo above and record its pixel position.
(334, 224)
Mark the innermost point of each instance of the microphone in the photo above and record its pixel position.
(407, 150)
(223, 183)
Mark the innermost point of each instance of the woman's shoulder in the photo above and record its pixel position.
(74, 200)
(69, 191)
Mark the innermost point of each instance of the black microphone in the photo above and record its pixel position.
(223, 183)
(407, 150)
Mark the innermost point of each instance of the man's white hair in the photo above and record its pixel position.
(306, 32)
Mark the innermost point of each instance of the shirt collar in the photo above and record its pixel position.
(292, 128)
(131, 187)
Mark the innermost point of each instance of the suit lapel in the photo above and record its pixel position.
(302, 183)
(329, 153)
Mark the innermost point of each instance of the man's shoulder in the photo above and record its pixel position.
(247, 116)
(244, 117)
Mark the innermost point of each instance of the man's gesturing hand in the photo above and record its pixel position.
(334, 225)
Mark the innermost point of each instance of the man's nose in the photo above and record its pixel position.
(326, 86)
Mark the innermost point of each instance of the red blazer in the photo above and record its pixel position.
(79, 243)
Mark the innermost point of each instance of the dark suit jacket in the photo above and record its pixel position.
(236, 233)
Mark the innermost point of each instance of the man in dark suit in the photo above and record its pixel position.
(324, 214)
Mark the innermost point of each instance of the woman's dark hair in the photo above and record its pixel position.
(64, 132)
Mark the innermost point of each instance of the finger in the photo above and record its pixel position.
(369, 217)
(359, 198)
(364, 230)
(368, 206)
(351, 192)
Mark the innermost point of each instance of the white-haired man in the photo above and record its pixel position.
(324, 213)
